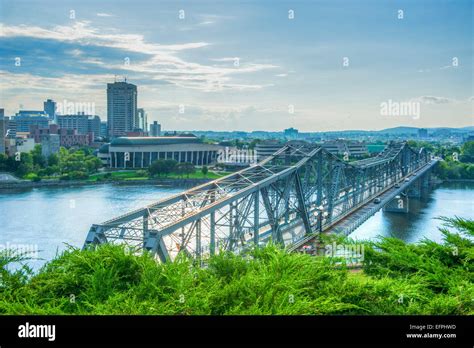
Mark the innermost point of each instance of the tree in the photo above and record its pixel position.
(38, 158)
(185, 168)
(204, 171)
(53, 160)
(162, 167)
(467, 152)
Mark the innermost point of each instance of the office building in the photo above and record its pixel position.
(267, 148)
(121, 108)
(25, 121)
(103, 129)
(155, 129)
(422, 133)
(49, 107)
(93, 126)
(50, 144)
(67, 137)
(346, 147)
(142, 121)
(10, 127)
(82, 123)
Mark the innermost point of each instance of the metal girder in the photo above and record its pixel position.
(295, 186)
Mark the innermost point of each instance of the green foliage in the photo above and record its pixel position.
(454, 170)
(467, 152)
(424, 278)
(162, 167)
(70, 163)
(185, 168)
(204, 170)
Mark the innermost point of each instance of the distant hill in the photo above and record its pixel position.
(414, 130)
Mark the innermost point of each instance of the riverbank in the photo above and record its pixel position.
(166, 182)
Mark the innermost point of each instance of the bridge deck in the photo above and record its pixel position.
(354, 218)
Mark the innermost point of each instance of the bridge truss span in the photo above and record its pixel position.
(300, 185)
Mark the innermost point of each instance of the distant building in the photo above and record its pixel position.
(155, 129)
(79, 122)
(103, 129)
(93, 126)
(31, 113)
(24, 121)
(49, 107)
(291, 133)
(141, 152)
(25, 145)
(343, 147)
(268, 148)
(83, 124)
(142, 121)
(3, 131)
(422, 133)
(121, 108)
(10, 127)
(67, 137)
(50, 144)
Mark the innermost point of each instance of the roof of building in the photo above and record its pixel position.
(127, 141)
(104, 148)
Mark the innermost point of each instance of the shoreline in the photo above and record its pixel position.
(170, 182)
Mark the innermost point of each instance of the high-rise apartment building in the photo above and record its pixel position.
(121, 108)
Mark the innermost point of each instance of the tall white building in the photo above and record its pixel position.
(121, 108)
(142, 122)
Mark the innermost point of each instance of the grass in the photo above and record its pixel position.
(424, 278)
(133, 175)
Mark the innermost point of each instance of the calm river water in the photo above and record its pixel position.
(48, 219)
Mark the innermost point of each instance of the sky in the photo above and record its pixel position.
(246, 65)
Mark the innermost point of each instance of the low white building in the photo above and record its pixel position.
(140, 152)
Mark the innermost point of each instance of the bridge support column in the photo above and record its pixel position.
(154, 242)
(397, 205)
(256, 219)
(95, 236)
(415, 189)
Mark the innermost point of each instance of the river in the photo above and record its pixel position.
(46, 220)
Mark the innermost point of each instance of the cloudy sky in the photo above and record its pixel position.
(246, 65)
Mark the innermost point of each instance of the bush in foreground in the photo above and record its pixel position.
(426, 278)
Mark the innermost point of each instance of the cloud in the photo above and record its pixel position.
(101, 14)
(434, 100)
(157, 63)
(226, 59)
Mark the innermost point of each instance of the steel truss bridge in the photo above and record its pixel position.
(288, 198)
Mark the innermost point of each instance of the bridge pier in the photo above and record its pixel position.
(398, 205)
(95, 236)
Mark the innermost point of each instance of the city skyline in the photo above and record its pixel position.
(313, 66)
